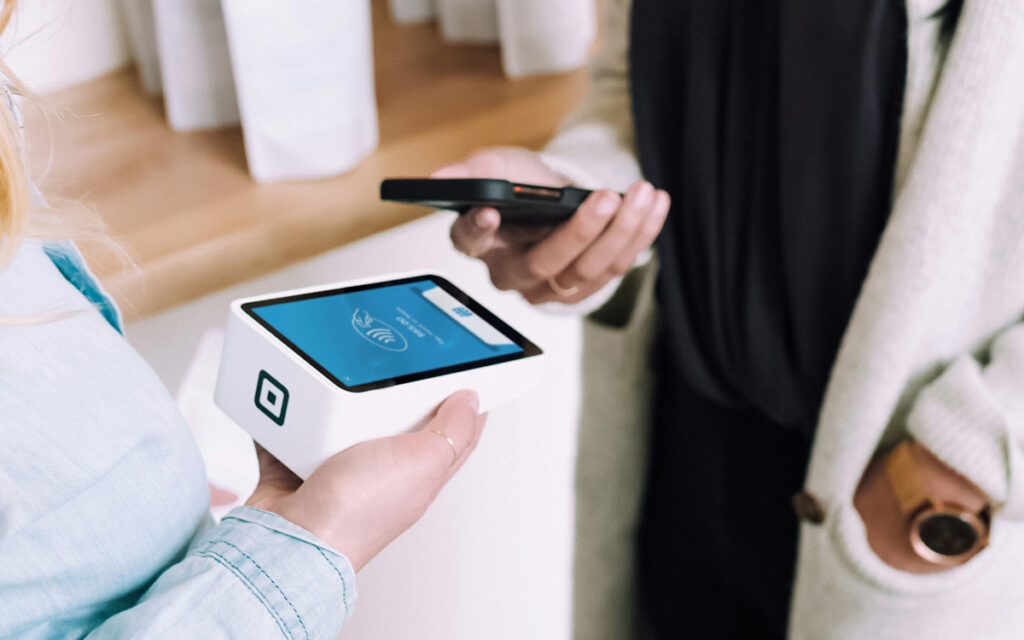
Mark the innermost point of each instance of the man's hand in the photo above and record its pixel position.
(361, 499)
(567, 263)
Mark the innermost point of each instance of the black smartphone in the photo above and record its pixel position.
(521, 204)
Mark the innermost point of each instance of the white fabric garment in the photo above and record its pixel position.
(536, 36)
(199, 92)
(539, 36)
(411, 10)
(468, 20)
(141, 23)
(304, 77)
(299, 77)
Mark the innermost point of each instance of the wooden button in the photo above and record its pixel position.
(808, 508)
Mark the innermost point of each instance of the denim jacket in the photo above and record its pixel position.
(104, 508)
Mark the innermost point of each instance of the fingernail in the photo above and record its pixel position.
(643, 194)
(606, 206)
(474, 401)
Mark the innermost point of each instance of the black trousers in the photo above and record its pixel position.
(717, 542)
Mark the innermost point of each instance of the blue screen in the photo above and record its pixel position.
(377, 334)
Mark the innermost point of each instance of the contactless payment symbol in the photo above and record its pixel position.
(378, 332)
(271, 397)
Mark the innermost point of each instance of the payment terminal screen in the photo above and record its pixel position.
(377, 335)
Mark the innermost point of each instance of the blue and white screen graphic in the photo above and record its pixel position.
(366, 336)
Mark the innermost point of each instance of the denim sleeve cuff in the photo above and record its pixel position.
(304, 585)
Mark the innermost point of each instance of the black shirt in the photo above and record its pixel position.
(774, 126)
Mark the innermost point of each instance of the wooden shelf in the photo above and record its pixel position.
(187, 209)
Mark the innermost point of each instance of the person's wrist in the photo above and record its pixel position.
(888, 528)
(947, 484)
(277, 501)
(298, 515)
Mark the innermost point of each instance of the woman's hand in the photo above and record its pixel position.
(888, 530)
(361, 499)
(566, 263)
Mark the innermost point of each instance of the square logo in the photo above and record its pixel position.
(271, 397)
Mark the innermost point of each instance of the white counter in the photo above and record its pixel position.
(493, 557)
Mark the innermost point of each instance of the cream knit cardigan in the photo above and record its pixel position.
(934, 348)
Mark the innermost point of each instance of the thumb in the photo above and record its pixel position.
(273, 474)
(475, 232)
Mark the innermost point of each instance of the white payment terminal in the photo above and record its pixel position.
(312, 371)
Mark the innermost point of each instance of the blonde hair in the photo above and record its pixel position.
(59, 219)
(14, 194)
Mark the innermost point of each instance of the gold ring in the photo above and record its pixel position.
(455, 452)
(562, 291)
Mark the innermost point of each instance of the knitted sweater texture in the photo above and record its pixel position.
(935, 345)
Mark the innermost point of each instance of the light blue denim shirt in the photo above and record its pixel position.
(104, 524)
